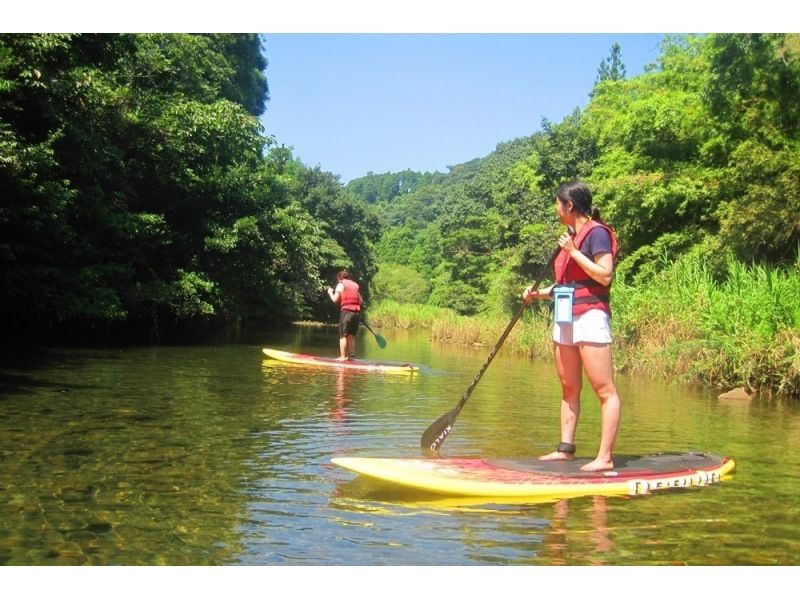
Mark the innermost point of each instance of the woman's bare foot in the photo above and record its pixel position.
(557, 456)
(598, 465)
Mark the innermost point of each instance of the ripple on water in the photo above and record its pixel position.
(207, 455)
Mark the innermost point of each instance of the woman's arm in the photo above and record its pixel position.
(337, 294)
(600, 269)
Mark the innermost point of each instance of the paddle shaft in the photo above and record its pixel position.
(435, 435)
(381, 341)
(489, 359)
(363, 321)
(502, 339)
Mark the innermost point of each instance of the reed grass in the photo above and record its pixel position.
(529, 337)
(682, 325)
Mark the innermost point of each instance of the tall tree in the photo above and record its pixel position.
(132, 182)
(611, 68)
(752, 91)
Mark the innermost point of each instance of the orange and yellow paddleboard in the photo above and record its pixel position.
(382, 367)
(531, 478)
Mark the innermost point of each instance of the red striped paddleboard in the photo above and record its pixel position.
(383, 367)
(531, 478)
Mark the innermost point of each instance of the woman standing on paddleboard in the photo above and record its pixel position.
(583, 269)
(348, 297)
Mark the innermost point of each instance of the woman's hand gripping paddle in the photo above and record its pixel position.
(437, 432)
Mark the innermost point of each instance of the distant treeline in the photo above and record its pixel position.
(700, 155)
(141, 197)
(695, 163)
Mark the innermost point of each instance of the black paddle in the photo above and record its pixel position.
(436, 433)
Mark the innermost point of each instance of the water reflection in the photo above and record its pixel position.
(338, 409)
(215, 455)
(564, 540)
(525, 531)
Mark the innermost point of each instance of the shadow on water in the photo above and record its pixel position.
(29, 384)
(20, 370)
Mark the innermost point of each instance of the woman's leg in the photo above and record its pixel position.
(342, 348)
(599, 366)
(568, 367)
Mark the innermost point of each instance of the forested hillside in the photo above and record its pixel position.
(697, 156)
(139, 194)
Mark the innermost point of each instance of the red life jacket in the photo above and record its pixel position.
(349, 299)
(589, 294)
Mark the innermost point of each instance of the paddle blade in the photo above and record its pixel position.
(381, 341)
(436, 433)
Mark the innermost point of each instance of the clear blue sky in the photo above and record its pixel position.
(354, 103)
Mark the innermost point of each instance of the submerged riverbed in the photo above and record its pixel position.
(211, 455)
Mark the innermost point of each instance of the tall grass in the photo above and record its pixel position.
(683, 324)
(742, 331)
(529, 337)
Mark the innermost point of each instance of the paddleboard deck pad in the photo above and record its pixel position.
(519, 478)
(386, 367)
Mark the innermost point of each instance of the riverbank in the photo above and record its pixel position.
(683, 324)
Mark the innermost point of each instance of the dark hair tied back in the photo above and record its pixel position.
(581, 197)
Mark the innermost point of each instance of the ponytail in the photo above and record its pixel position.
(594, 214)
(581, 197)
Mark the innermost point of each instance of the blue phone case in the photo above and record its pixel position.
(562, 304)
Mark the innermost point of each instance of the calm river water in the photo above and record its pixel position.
(211, 455)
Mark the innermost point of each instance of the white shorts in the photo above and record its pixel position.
(593, 326)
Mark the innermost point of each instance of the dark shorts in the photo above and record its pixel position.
(348, 322)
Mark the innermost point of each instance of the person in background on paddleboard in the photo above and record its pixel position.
(584, 270)
(349, 299)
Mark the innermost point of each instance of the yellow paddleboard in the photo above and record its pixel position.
(520, 478)
(382, 367)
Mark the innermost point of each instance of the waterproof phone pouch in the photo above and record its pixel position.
(562, 304)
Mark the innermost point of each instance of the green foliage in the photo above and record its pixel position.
(188, 294)
(694, 163)
(137, 185)
(566, 151)
(753, 299)
(390, 313)
(453, 233)
(134, 187)
(611, 68)
(737, 330)
(646, 262)
(761, 220)
(753, 82)
(349, 229)
(399, 283)
(452, 293)
(503, 289)
(385, 188)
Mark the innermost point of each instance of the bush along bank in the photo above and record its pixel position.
(738, 330)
